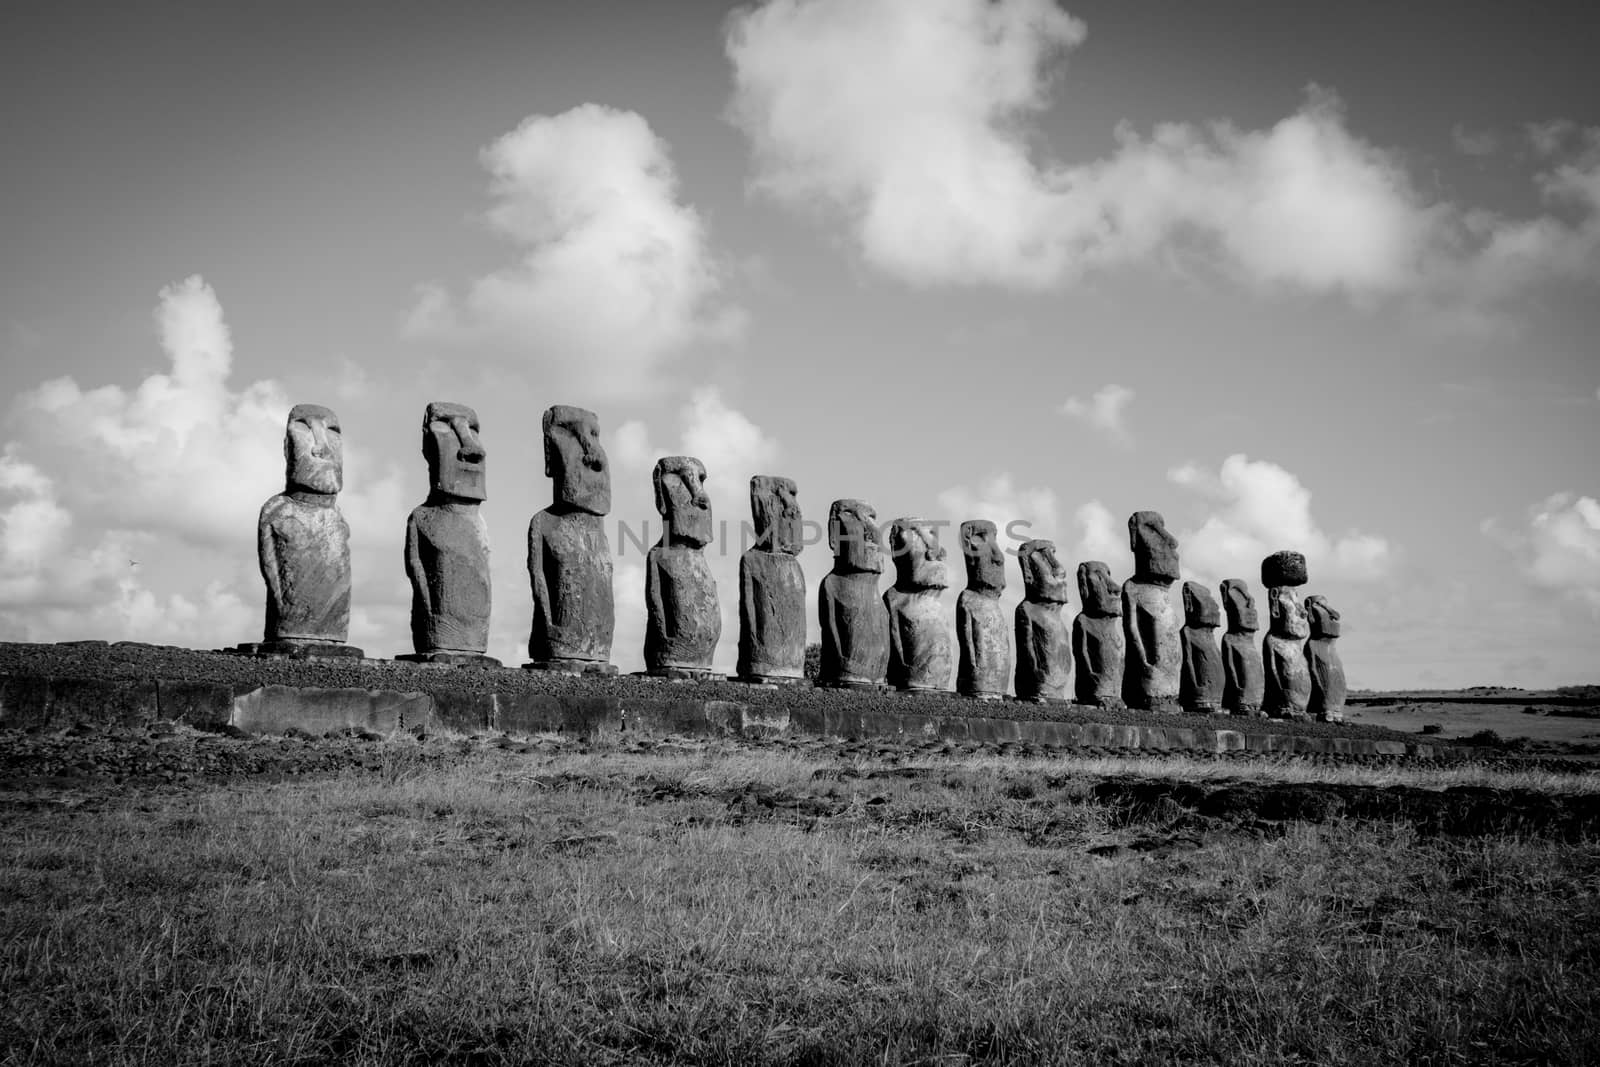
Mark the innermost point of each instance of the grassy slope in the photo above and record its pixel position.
(594, 910)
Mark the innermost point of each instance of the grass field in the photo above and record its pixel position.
(721, 904)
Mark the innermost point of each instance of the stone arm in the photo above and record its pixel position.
(414, 570)
(967, 637)
(832, 632)
(1139, 628)
(267, 556)
(655, 604)
(896, 651)
(1271, 667)
(537, 583)
(1024, 642)
(749, 617)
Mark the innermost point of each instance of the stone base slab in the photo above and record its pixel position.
(771, 681)
(576, 667)
(682, 674)
(449, 659)
(296, 650)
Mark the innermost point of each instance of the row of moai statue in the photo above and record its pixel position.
(1127, 643)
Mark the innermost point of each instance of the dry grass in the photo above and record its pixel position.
(736, 907)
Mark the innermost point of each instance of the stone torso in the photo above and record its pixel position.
(920, 656)
(772, 615)
(1326, 671)
(450, 590)
(1098, 653)
(1243, 678)
(1287, 693)
(683, 619)
(855, 628)
(1044, 652)
(985, 663)
(1200, 688)
(306, 547)
(574, 613)
(1155, 655)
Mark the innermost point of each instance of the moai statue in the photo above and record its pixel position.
(772, 588)
(985, 662)
(1098, 647)
(920, 659)
(569, 558)
(1200, 687)
(1323, 662)
(1243, 678)
(1150, 622)
(303, 544)
(447, 544)
(1044, 645)
(855, 623)
(683, 621)
(1287, 692)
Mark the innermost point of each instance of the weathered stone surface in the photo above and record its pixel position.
(1284, 568)
(1099, 650)
(984, 667)
(447, 541)
(772, 587)
(1243, 676)
(920, 656)
(1150, 627)
(683, 621)
(569, 557)
(277, 708)
(1200, 687)
(1323, 662)
(854, 619)
(302, 540)
(1288, 679)
(1155, 551)
(1044, 643)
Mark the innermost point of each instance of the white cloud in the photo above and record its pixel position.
(615, 274)
(910, 118)
(1103, 411)
(1256, 508)
(1558, 545)
(1474, 142)
(1020, 513)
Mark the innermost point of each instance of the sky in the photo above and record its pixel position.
(1311, 277)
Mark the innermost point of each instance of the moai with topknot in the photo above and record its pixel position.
(853, 617)
(569, 558)
(772, 588)
(1283, 655)
(1243, 677)
(1323, 662)
(1098, 646)
(1150, 622)
(447, 544)
(682, 618)
(1044, 643)
(984, 666)
(303, 544)
(920, 656)
(1200, 687)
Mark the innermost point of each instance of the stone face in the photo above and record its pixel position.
(772, 587)
(1323, 662)
(920, 656)
(1044, 644)
(569, 557)
(1200, 687)
(1099, 650)
(1150, 627)
(683, 621)
(854, 619)
(1243, 676)
(1288, 680)
(447, 541)
(302, 540)
(1283, 568)
(1155, 551)
(984, 667)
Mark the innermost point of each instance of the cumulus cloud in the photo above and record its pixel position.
(1255, 508)
(1103, 411)
(1557, 546)
(615, 273)
(1474, 142)
(911, 120)
(1021, 513)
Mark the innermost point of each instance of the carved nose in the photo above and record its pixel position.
(471, 450)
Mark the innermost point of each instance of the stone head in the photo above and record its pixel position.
(575, 459)
(1199, 608)
(986, 563)
(853, 537)
(455, 454)
(1155, 551)
(1288, 618)
(776, 511)
(918, 556)
(313, 451)
(681, 499)
(1044, 577)
(1100, 595)
(1324, 618)
(1240, 606)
